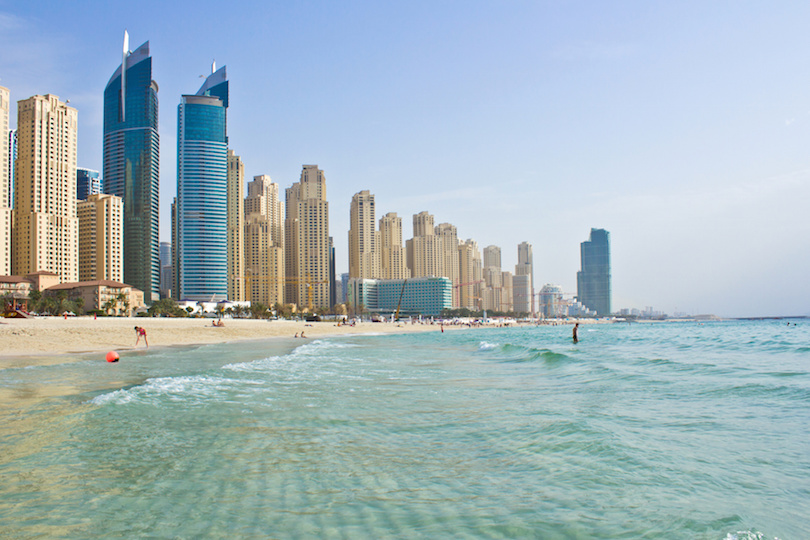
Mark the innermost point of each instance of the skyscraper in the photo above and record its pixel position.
(425, 253)
(202, 191)
(264, 242)
(5, 185)
(101, 252)
(364, 256)
(449, 246)
(392, 254)
(307, 245)
(524, 267)
(131, 164)
(88, 182)
(236, 228)
(469, 258)
(46, 229)
(593, 281)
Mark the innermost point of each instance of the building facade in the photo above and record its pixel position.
(594, 280)
(307, 242)
(392, 254)
(364, 256)
(427, 296)
(131, 164)
(101, 248)
(236, 228)
(46, 229)
(525, 267)
(450, 263)
(425, 251)
(469, 259)
(5, 183)
(202, 192)
(88, 182)
(264, 242)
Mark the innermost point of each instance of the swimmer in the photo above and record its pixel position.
(576, 339)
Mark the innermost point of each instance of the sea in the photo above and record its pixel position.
(665, 430)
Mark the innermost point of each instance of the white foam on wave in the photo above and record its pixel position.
(193, 388)
(485, 346)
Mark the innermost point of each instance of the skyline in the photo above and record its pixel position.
(683, 130)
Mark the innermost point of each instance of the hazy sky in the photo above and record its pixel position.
(683, 128)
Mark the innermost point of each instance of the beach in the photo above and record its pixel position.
(40, 336)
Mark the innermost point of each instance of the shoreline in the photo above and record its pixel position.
(44, 340)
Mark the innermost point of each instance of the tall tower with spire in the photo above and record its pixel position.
(131, 164)
(202, 191)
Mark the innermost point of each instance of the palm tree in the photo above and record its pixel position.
(109, 306)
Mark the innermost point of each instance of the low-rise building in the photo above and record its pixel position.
(427, 296)
(112, 297)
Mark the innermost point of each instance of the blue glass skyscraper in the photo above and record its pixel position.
(202, 191)
(88, 182)
(593, 281)
(131, 164)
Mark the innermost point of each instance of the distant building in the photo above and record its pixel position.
(165, 269)
(449, 252)
(131, 164)
(522, 293)
(105, 295)
(364, 257)
(5, 184)
(425, 251)
(306, 241)
(46, 229)
(392, 253)
(202, 192)
(594, 280)
(101, 249)
(236, 228)
(264, 242)
(552, 304)
(427, 296)
(525, 267)
(88, 182)
(469, 263)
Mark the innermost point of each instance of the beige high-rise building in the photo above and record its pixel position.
(492, 257)
(306, 231)
(470, 274)
(450, 263)
(492, 289)
(46, 229)
(264, 242)
(392, 254)
(236, 228)
(525, 267)
(364, 256)
(5, 181)
(101, 247)
(425, 251)
(507, 292)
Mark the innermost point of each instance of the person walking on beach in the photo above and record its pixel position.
(576, 339)
(138, 333)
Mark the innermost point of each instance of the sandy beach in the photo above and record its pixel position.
(43, 336)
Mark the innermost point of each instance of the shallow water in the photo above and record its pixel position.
(675, 430)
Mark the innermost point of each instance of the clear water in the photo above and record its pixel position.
(639, 431)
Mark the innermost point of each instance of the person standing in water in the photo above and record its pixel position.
(576, 327)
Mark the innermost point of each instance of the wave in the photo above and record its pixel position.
(192, 389)
(518, 354)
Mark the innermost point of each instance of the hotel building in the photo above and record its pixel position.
(425, 253)
(306, 241)
(364, 256)
(264, 242)
(46, 229)
(101, 249)
(236, 228)
(524, 302)
(427, 296)
(392, 254)
(202, 192)
(449, 246)
(5, 184)
(469, 259)
(131, 164)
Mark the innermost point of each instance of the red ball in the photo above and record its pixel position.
(112, 356)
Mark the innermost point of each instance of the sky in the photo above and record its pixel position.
(682, 128)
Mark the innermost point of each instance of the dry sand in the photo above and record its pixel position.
(55, 335)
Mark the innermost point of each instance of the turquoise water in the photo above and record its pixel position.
(674, 430)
